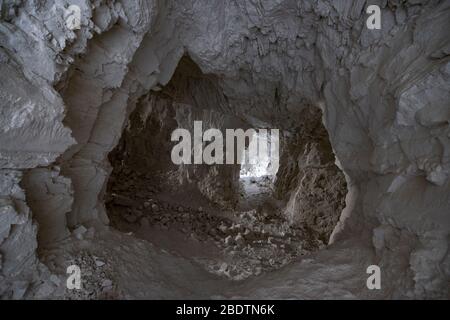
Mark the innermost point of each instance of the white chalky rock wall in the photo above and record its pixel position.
(66, 95)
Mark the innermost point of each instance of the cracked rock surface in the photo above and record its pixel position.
(85, 171)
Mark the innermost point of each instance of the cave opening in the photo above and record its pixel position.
(267, 164)
(234, 220)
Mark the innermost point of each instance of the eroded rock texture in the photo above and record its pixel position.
(67, 95)
(315, 186)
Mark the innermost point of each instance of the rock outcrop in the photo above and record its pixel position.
(67, 95)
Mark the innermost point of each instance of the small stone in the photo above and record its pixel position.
(107, 283)
(99, 263)
(54, 278)
(236, 226)
(200, 209)
(239, 239)
(79, 232)
(438, 176)
(223, 267)
(20, 290)
(229, 240)
(155, 207)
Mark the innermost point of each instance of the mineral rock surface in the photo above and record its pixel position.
(85, 121)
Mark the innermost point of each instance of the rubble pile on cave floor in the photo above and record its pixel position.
(98, 278)
(89, 254)
(230, 243)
